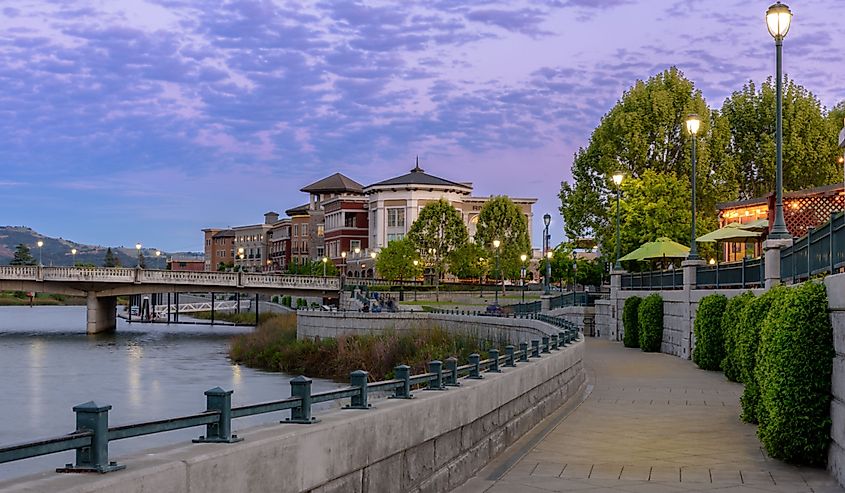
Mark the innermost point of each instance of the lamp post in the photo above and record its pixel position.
(373, 256)
(547, 219)
(523, 257)
(138, 247)
(343, 272)
(692, 127)
(40, 262)
(73, 252)
(778, 19)
(325, 261)
(241, 257)
(574, 281)
(496, 244)
(158, 256)
(416, 263)
(617, 179)
(481, 269)
(433, 253)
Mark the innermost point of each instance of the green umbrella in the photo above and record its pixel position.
(663, 247)
(731, 232)
(758, 225)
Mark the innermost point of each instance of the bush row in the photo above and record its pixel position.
(709, 343)
(630, 322)
(650, 322)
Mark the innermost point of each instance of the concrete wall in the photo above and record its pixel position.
(311, 324)
(431, 443)
(582, 316)
(836, 302)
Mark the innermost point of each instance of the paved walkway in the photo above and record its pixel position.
(653, 423)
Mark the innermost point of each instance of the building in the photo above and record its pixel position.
(299, 220)
(186, 264)
(219, 248)
(279, 245)
(250, 244)
(336, 190)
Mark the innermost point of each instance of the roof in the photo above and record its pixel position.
(226, 233)
(298, 210)
(334, 183)
(418, 176)
(824, 189)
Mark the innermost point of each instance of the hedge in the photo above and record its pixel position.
(748, 335)
(630, 322)
(730, 332)
(709, 344)
(650, 318)
(794, 371)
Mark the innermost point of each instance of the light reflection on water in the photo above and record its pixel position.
(145, 371)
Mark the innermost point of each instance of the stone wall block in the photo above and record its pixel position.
(351, 483)
(381, 477)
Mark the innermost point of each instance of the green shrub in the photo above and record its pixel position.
(709, 343)
(650, 318)
(748, 335)
(730, 332)
(794, 370)
(630, 322)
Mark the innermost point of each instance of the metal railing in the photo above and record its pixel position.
(654, 280)
(575, 298)
(91, 438)
(749, 273)
(820, 251)
(523, 308)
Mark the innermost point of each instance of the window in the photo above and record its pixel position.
(396, 218)
(349, 220)
(320, 252)
(394, 237)
(304, 230)
(296, 230)
(353, 244)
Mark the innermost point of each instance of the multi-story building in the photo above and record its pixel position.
(250, 245)
(279, 245)
(219, 248)
(299, 222)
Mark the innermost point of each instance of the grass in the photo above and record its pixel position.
(247, 318)
(16, 298)
(273, 346)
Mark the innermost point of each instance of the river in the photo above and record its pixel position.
(145, 371)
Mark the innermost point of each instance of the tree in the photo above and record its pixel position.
(501, 219)
(396, 261)
(468, 261)
(111, 260)
(438, 229)
(23, 256)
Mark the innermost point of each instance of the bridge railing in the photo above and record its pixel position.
(93, 433)
(185, 277)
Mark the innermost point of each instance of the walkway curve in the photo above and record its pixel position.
(653, 423)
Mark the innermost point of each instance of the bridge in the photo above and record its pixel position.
(102, 286)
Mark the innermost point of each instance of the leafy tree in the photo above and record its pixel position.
(468, 261)
(589, 272)
(111, 259)
(396, 261)
(22, 256)
(438, 228)
(810, 149)
(501, 219)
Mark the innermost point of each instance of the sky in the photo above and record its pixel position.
(125, 121)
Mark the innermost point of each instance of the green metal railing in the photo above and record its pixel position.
(654, 280)
(820, 251)
(91, 438)
(575, 298)
(749, 273)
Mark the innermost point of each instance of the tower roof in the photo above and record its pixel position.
(334, 183)
(418, 176)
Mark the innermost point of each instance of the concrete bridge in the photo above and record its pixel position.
(101, 287)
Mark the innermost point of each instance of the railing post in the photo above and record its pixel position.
(475, 369)
(95, 419)
(493, 354)
(809, 244)
(830, 242)
(403, 372)
(554, 342)
(436, 367)
(219, 400)
(509, 350)
(563, 337)
(358, 378)
(546, 344)
(452, 368)
(535, 348)
(523, 351)
(743, 272)
(301, 387)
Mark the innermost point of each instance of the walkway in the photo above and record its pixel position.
(653, 423)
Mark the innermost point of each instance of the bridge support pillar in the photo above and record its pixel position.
(102, 314)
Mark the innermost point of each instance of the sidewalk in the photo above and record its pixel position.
(653, 423)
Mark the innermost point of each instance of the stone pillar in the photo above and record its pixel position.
(616, 299)
(102, 313)
(690, 273)
(771, 250)
(545, 302)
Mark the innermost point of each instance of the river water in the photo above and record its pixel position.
(145, 371)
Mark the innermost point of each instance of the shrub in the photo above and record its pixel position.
(630, 322)
(709, 342)
(793, 371)
(748, 335)
(650, 318)
(730, 332)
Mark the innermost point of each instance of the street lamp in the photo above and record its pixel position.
(481, 272)
(40, 244)
(325, 261)
(523, 257)
(158, 256)
(617, 179)
(73, 252)
(433, 253)
(692, 127)
(778, 19)
(416, 264)
(496, 244)
(138, 247)
(574, 281)
(547, 219)
(373, 256)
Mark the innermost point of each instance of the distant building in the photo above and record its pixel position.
(186, 264)
(219, 247)
(250, 244)
(279, 245)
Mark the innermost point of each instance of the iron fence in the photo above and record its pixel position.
(820, 251)
(654, 280)
(749, 273)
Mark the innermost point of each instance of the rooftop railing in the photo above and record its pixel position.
(820, 251)
(748, 273)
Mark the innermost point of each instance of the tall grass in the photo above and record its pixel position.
(236, 318)
(273, 346)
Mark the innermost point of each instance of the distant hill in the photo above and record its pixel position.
(57, 251)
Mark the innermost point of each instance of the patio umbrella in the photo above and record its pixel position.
(731, 232)
(663, 247)
(758, 225)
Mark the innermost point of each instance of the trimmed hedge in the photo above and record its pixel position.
(650, 318)
(709, 344)
(794, 371)
(630, 322)
(748, 335)
(730, 332)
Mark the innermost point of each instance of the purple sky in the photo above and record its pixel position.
(132, 120)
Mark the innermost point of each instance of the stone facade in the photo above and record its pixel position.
(836, 303)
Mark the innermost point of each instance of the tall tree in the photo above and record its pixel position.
(468, 261)
(110, 259)
(396, 261)
(439, 228)
(23, 256)
(501, 219)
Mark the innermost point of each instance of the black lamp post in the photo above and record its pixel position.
(547, 219)
(778, 19)
(617, 179)
(523, 257)
(692, 127)
(496, 244)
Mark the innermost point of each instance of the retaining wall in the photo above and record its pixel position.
(431, 443)
(835, 285)
(582, 316)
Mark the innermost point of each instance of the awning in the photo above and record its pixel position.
(662, 248)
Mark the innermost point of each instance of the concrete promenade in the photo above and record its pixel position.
(653, 423)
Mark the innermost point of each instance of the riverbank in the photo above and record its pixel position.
(273, 346)
(242, 318)
(16, 298)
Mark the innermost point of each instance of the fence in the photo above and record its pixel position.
(575, 298)
(820, 251)
(91, 438)
(749, 273)
(665, 279)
